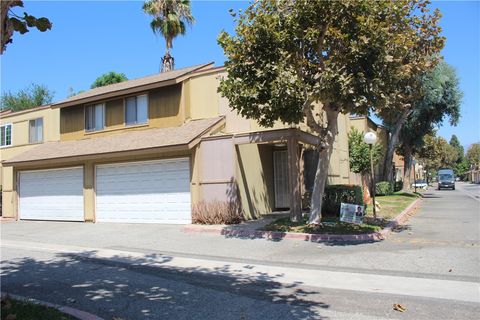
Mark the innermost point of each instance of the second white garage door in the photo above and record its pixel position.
(148, 191)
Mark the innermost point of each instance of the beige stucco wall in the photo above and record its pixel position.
(20, 136)
(359, 123)
(254, 175)
(20, 129)
(339, 169)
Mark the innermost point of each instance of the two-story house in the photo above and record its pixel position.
(21, 131)
(146, 150)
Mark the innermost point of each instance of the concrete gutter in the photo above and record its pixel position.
(79, 314)
(238, 231)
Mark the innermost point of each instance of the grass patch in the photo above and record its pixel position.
(19, 310)
(391, 206)
(331, 226)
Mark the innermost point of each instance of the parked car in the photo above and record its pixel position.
(422, 184)
(446, 179)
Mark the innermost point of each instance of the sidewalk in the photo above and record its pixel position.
(371, 283)
(421, 253)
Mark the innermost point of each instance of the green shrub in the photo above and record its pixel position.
(398, 186)
(334, 195)
(384, 188)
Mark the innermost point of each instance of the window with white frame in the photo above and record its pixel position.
(6, 135)
(35, 130)
(95, 117)
(136, 109)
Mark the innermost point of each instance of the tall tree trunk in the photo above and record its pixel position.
(366, 184)
(321, 174)
(407, 169)
(392, 144)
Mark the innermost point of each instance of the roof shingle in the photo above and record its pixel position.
(128, 141)
(131, 84)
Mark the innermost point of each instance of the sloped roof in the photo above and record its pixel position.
(139, 83)
(9, 112)
(128, 141)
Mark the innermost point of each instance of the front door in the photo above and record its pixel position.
(280, 177)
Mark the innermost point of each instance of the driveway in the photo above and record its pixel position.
(431, 265)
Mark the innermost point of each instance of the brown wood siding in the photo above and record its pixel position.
(165, 110)
(114, 114)
(165, 107)
(72, 123)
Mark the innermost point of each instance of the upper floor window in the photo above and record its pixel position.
(95, 117)
(136, 109)
(35, 130)
(6, 135)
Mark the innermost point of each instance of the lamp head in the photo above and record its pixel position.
(370, 138)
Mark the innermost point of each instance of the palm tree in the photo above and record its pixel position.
(170, 18)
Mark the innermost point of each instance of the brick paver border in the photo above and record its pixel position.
(239, 232)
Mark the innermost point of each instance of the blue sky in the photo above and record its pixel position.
(90, 38)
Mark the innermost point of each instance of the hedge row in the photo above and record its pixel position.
(334, 195)
(385, 188)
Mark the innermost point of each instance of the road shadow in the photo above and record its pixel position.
(326, 239)
(401, 227)
(144, 288)
(428, 195)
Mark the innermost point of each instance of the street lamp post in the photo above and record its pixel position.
(370, 138)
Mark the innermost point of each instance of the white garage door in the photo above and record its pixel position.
(148, 191)
(51, 194)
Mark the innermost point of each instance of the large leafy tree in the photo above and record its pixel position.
(11, 22)
(109, 78)
(33, 96)
(440, 98)
(461, 166)
(311, 60)
(454, 142)
(170, 18)
(436, 153)
(407, 89)
(473, 155)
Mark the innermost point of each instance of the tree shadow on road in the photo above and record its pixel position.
(145, 288)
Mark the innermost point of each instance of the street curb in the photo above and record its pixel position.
(275, 235)
(79, 314)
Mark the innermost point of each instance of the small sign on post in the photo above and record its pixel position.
(352, 213)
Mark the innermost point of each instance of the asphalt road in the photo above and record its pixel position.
(436, 255)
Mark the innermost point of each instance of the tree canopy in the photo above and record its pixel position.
(310, 60)
(109, 78)
(455, 143)
(33, 96)
(170, 18)
(436, 153)
(440, 97)
(12, 22)
(473, 155)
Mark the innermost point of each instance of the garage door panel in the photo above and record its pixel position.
(156, 191)
(51, 194)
